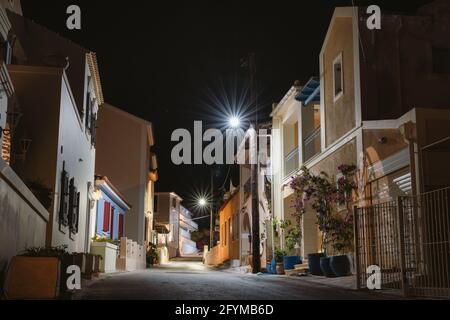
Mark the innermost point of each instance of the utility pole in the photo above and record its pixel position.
(211, 231)
(256, 254)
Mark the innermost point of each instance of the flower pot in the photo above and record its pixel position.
(314, 263)
(340, 265)
(33, 278)
(271, 266)
(326, 268)
(89, 266)
(290, 262)
(280, 268)
(96, 270)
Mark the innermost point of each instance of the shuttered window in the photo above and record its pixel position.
(74, 206)
(106, 215)
(64, 198)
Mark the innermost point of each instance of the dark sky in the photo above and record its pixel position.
(163, 60)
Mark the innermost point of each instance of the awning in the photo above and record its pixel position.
(438, 146)
(310, 92)
(161, 229)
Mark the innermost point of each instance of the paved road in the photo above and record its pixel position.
(193, 281)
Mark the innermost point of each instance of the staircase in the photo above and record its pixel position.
(192, 258)
(299, 269)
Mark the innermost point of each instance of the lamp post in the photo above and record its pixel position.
(202, 202)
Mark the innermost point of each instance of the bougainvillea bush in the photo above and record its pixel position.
(324, 195)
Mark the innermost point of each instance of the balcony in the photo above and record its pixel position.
(291, 163)
(312, 145)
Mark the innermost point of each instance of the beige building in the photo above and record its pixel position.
(376, 109)
(124, 154)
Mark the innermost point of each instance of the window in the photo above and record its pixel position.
(74, 207)
(174, 203)
(236, 227)
(225, 233)
(441, 60)
(64, 199)
(338, 78)
(232, 224)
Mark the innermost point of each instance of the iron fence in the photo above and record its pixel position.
(409, 240)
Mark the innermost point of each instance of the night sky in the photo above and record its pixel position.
(166, 61)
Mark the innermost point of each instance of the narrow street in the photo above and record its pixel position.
(194, 281)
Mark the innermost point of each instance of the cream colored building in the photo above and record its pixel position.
(375, 109)
(124, 154)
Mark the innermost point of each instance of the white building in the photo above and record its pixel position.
(187, 226)
(59, 130)
(167, 214)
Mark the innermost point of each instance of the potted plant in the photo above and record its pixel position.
(152, 256)
(342, 236)
(314, 263)
(279, 255)
(97, 261)
(292, 239)
(88, 266)
(324, 197)
(341, 227)
(35, 273)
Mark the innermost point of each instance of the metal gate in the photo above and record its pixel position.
(409, 240)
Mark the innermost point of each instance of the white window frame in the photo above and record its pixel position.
(338, 59)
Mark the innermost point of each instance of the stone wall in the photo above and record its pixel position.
(23, 220)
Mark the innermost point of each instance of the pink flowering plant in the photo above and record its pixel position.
(323, 195)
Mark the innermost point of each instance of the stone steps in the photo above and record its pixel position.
(299, 269)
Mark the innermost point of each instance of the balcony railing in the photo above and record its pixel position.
(291, 162)
(312, 145)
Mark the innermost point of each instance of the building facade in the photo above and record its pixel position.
(69, 100)
(168, 211)
(359, 112)
(111, 208)
(187, 226)
(124, 154)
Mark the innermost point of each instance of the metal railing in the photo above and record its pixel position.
(291, 162)
(409, 239)
(312, 145)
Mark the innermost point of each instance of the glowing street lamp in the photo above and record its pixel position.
(202, 202)
(234, 122)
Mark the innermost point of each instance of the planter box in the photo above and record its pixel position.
(33, 278)
(108, 252)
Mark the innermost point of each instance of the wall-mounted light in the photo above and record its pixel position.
(383, 140)
(25, 144)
